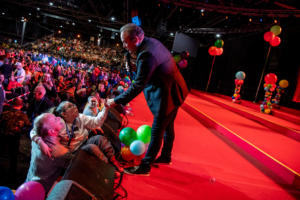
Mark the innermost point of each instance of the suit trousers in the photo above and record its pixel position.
(162, 131)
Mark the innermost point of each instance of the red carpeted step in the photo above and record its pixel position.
(273, 149)
(288, 114)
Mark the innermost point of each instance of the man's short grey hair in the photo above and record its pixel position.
(60, 108)
(132, 30)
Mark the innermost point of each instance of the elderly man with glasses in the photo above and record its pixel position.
(74, 134)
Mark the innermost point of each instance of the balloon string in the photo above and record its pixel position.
(263, 72)
(210, 73)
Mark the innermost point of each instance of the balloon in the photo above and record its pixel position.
(219, 51)
(30, 190)
(182, 64)
(267, 111)
(219, 43)
(127, 135)
(270, 78)
(6, 193)
(240, 75)
(275, 41)
(177, 58)
(276, 29)
(268, 36)
(126, 154)
(212, 50)
(283, 83)
(144, 133)
(137, 147)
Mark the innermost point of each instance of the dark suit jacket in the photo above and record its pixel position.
(157, 74)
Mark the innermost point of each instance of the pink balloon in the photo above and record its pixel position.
(268, 36)
(182, 63)
(30, 190)
(275, 41)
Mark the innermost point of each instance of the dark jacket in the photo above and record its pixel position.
(157, 74)
(38, 107)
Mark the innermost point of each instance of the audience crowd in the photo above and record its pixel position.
(47, 74)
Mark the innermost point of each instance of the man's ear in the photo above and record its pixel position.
(136, 40)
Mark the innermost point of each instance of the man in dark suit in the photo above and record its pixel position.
(164, 89)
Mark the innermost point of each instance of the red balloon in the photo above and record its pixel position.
(219, 51)
(271, 78)
(268, 36)
(275, 41)
(212, 50)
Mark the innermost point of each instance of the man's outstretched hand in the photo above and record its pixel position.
(110, 103)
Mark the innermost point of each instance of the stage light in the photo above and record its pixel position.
(73, 23)
(61, 26)
(202, 14)
(59, 31)
(180, 9)
(50, 4)
(38, 9)
(260, 19)
(99, 34)
(202, 10)
(250, 19)
(275, 21)
(218, 35)
(112, 18)
(171, 34)
(3, 13)
(29, 14)
(226, 17)
(78, 35)
(89, 20)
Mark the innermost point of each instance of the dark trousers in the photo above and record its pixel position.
(162, 131)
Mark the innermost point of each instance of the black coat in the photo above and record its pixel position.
(38, 107)
(158, 76)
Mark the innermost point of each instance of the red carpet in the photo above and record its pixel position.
(204, 165)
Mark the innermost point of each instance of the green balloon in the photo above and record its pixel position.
(144, 133)
(276, 29)
(127, 135)
(177, 58)
(219, 43)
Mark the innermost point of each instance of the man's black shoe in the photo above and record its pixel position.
(143, 170)
(163, 161)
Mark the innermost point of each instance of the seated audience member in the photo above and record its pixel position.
(40, 102)
(42, 168)
(76, 131)
(13, 123)
(92, 107)
(2, 93)
(49, 86)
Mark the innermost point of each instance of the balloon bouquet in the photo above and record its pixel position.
(279, 90)
(214, 51)
(134, 143)
(181, 59)
(272, 36)
(30, 190)
(239, 81)
(269, 87)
